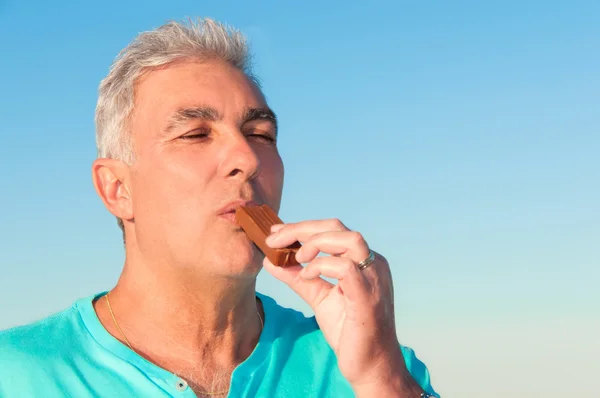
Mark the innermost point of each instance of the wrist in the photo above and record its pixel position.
(390, 379)
(399, 386)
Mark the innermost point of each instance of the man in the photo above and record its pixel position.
(185, 137)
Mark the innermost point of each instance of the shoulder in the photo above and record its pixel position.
(37, 343)
(30, 336)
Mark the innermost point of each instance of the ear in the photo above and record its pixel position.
(112, 183)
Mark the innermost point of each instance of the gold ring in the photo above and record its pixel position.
(367, 261)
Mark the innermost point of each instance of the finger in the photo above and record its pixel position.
(349, 244)
(276, 227)
(302, 231)
(350, 279)
(308, 290)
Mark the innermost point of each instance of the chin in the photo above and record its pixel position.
(240, 257)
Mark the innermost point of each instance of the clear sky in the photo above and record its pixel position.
(461, 137)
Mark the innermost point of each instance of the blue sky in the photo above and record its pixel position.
(462, 138)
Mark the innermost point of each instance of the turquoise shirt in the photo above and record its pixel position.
(70, 354)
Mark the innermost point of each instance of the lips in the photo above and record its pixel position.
(228, 211)
(231, 207)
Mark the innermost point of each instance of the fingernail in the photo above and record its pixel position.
(276, 227)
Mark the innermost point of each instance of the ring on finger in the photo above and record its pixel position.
(367, 261)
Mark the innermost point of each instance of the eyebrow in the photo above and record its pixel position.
(266, 114)
(185, 115)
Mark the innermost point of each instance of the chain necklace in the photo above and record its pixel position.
(262, 325)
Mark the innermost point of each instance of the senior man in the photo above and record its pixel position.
(185, 137)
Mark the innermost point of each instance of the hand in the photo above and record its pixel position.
(356, 315)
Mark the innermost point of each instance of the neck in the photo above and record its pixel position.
(185, 322)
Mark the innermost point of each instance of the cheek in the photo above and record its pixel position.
(272, 165)
(271, 177)
(188, 172)
(171, 184)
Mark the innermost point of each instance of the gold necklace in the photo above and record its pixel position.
(262, 325)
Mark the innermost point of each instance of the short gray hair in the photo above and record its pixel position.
(201, 39)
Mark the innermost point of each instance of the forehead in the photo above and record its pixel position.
(185, 84)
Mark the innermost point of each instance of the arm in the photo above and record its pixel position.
(392, 382)
(397, 380)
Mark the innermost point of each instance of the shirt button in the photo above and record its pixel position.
(181, 385)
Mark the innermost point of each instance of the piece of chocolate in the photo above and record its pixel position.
(256, 221)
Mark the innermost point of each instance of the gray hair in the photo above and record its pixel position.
(200, 39)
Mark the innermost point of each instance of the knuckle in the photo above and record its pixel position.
(357, 237)
(336, 224)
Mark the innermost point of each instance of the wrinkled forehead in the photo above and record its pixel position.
(161, 93)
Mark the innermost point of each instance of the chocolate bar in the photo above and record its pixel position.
(256, 221)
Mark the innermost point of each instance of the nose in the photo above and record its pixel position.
(241, 159)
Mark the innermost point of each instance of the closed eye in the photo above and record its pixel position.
(262, 137)
(193, 136)
(197, 134)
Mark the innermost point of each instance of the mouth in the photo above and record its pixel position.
(228, 212)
